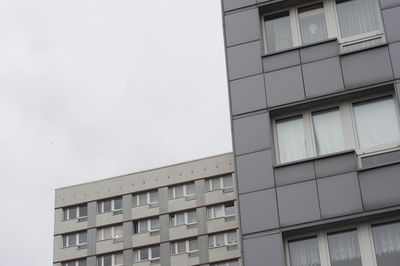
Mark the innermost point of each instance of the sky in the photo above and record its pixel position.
(92, 89)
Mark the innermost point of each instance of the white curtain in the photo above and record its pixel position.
(357, 17)
(376, 122)
(291, 140)
(344, 247)
(313, 25)
(328, 131)
(278, 33)
(304, 252)
(386, 238)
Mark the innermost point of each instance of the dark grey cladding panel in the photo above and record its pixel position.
(391, 21)
(366, 67)
(380, 159)
(242, 27)
(281, 60)
(319, 51)
(244, 60)
(389, 3)
(339, 195)
(334, 165)
(293, 173)
(380, 187)
(265, 250)
(298, 203)
(323, 77)
(258, 211)
(254, 171)
(394, 49)
(234, 4)
(251, 133)
(248, 94)
(284, 86)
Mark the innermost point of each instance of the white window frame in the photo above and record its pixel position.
(100, 232)
(209, 186)
(332, 23)
(214, 239)
(149, 254)
(172, 191)
(77, 242)
(112, 205)
(350, 136)
(136, 201)
(112, 259)
(186, 222)
(212, 210)
(148, 221)
(365, 240)
(66, 212)
(175, 245)
(76, 262)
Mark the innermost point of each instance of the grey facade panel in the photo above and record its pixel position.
(380, 187)
(248, 94)
(203, 249)
(92, 213)
(201, 214)
(164, 227)
(366, 67)
(163, 199)
(281, 60)
(91, 238)
(394, 49)
(251, 133)
(92, 261)
(298, 203)
(265, 250)
(164, 254)
(293, 173)
(339, 195)
(244, 60)
(391, 21)
(234, 4)
(385, 4)
(255, 171)
(319, 51)
(284, 86)
(323, 77)
(128, 231)
(258, 211)
(128, 256)
(381, 159)
(127, 207)
(334, 165)
(242, 27)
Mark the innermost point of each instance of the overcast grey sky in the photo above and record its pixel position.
(91, 89)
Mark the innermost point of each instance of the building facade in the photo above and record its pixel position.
(183, 214)
(314, 97)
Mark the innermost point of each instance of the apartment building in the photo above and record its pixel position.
(314, 92)
(184, 214)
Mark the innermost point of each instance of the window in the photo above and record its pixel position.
(147, 253)
(75, 263)
(221, 182)
(181, 218)
(184, 190)
(355, 23)
(366, 125)
(75, 239)
(114, 205)
(359, 245)
(228, 263)
(225, 210)
(148, 225)
(146, 198)
(222, 239)
(184, 246)
(109, 232)
(110, 260)
(75, 212)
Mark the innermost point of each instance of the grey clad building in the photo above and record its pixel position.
(314, 96)
(183, 214)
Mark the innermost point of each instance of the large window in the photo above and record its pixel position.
(148, 225)
(365, 244)
(75, 212)
(184, 246)
(75, 239)
(146, 198)
(222, 182)
(110, 260)
(366, 125)
(75, 263)
(110, 232)
(185, 190)
(114, 205)
(355, 23)
(224, 210)
(181, 218)
(222, 239)
(148, 253)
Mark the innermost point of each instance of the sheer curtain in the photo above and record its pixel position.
(387, 244)
(304, 252)
(291, 140)
(328, 131)
(278, 33)
(344, 249)
(312, 24)
(376, 122)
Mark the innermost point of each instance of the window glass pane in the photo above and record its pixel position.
(99, 234)
(211, 241)
(153, 196)
(219, 240)
(170, 192)
(142, 198)
(107, 205)
(143, 226)
(65, 241)
(209, 212)
(229, 209)
(135, 255)
(233, 263)
(181, 246)
(82, 238)
(99, 261)
(99, 207)
(190, 189)
(227, 181)
(291, 140)
(218, 211)
(72, 263)
(304, 252)
(173, 248)
(107, 260)
(82, 263)
(216, 183)
(72, 240)
(232, 237)
(191, 216)
(144, 254)
(328, 131)
(155, 224)
(83, 210)
(65, 211)
(155, 252)
(119, 259)
(135, 227)
(118, 231)
(278, 32)
(180, 218)
(72, 213)
(207, 185)
(344, 249)
(387, 244)
(118, 204)
(376, 122)
(178, 191)
(357, 17)
(107, 232)
(193, 245)
(312, 24)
